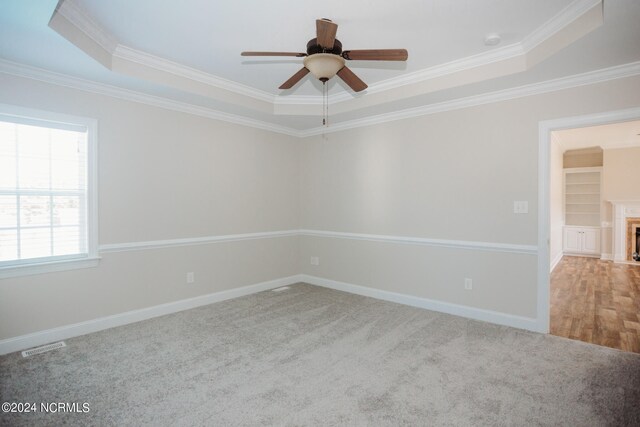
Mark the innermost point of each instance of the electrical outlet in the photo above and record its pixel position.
(190, 277)
(315, 260)
(468, 284)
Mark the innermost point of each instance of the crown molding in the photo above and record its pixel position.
(301, 100)
(591, 77)
(155, 62)
(78, 16)
(561, 20)
(34, 73)
(548, 29)
(496, 62)
(456, 66)
(565, 17)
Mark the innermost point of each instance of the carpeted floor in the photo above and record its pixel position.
(314, 356)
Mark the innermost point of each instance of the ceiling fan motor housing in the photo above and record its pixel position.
(314, 47)
(325, 58)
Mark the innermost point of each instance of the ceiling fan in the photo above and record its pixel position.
(325, 58)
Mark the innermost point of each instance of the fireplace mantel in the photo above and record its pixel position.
(622, 209)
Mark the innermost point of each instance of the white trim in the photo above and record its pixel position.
(85, 23)
(606, 257)
(69, 331)
(459, 65)
(621, 211)
(428, 304)
(161, 64)
(582, 255)
(541, 34)
(582, 227)
(560, 21)
(544, 140)
(48, 267)
(634, 263)
(556, 261)
(91, 125)
(27, 71)
(158, 244)
(77, 17)
(581, 170)
(591, 77)
(457, 244)
(92, 187)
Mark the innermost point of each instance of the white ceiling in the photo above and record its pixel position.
(200, 41)
(616, 135)
(434, 32)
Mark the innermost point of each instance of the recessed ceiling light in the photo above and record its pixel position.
(492, 40)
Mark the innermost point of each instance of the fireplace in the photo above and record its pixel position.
(626, 221)
(632, 233)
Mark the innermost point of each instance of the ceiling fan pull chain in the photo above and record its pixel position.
(327, 105)
(324, 103)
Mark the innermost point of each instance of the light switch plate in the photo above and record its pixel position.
(521, 207)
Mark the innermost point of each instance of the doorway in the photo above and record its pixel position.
(571, 268)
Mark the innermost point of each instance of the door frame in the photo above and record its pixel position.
(544, 176)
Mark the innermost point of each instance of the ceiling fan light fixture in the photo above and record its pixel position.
(324, 65)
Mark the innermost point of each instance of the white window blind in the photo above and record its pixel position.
(43, 191)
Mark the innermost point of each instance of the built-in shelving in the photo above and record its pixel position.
(582, 196)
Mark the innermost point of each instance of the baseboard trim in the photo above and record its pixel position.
(23, 342)
(556, 260)
(505, 319)
(582, 255)
(606, 257)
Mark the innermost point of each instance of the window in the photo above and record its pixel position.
(47, 192)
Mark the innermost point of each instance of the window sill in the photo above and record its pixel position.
(47, 267)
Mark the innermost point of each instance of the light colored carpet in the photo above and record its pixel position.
(314, 356)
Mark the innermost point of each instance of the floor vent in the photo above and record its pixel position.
(43, 349)
(284, 288)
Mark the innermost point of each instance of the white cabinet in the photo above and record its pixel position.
(582, 240)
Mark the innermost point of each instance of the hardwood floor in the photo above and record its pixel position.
(596, 301)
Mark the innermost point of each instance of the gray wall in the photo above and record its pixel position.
(451, 175)
(164, 175)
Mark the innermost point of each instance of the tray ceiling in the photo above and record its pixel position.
(190, 51)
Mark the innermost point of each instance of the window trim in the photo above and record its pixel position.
(74, 262)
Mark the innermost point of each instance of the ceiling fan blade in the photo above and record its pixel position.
(351, 79)
(326, 33)
(294, 79)
(299, 54)
(376, 55)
